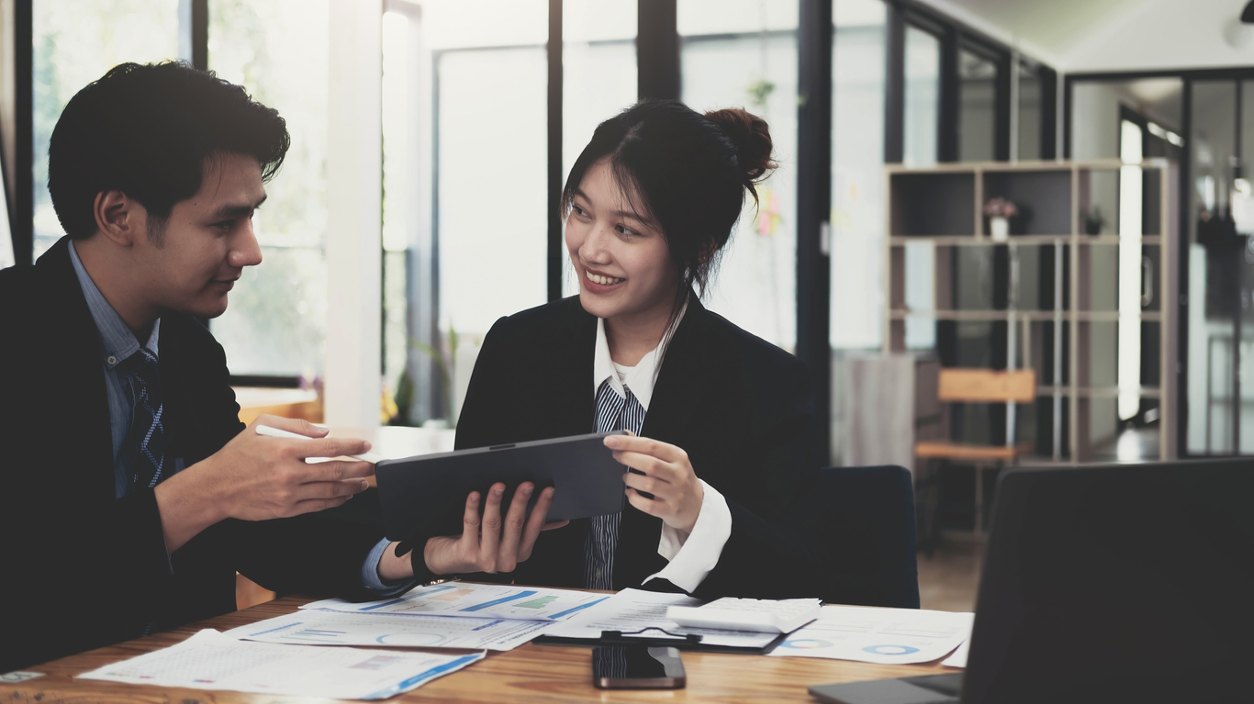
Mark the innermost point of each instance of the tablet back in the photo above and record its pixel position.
(426, 495)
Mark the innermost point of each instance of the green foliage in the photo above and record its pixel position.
(759, 92)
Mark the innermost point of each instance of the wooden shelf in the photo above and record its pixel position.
(1113, 316)
(1087, 392)
(974, 315)
(1113, 240)
(1058, 314)
(974, 240)
(1083, 316)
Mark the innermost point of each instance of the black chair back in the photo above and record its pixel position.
(864, 535)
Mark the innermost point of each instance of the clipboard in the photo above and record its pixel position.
(426, 495)
(687, 642)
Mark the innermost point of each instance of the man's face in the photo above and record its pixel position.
(189, 263)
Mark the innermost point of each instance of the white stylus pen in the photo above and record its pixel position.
(278, 433)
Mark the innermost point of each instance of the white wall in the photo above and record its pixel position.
(1111, 35)
(1165, 34)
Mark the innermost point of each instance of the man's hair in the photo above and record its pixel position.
(148, 131)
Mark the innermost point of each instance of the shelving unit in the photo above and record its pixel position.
(1050, 296)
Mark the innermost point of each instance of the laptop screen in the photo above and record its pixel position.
(1117, 583)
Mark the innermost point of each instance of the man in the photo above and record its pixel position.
(131, 494)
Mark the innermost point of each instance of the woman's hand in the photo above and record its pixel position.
(488, 543)
(662, 471)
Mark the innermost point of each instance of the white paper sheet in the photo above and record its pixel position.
(321, 627)
(212, 660)
(959, 658)
(634, 609)
(879, 635)
(476, 601)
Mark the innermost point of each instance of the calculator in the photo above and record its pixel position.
(758, 615)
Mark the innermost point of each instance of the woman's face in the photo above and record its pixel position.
(621, 258)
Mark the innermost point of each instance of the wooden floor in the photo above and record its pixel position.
(949, 577)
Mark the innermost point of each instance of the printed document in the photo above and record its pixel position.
(879, 635)
(634, 610)
(212, 660)
(959, 658)
(467, 599)
(321, 627)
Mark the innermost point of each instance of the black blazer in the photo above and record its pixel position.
(740, 407)
(82, 568)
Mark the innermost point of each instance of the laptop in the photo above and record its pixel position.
(1114, 583)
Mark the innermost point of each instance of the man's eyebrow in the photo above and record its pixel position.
(236, 210)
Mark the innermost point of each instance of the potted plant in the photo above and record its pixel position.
(999, 212)
(1094, 221)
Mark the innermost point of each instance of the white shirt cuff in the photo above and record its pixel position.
(692, 559)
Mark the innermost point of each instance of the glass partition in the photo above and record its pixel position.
(73, 44)
(744, 54)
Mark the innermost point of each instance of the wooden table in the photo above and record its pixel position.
(547, 674)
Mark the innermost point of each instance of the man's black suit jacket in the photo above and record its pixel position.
(81, 568)
(740, 407)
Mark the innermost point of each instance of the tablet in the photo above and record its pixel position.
(426, 495)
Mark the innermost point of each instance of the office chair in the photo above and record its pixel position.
(987, 386)
(864, 532)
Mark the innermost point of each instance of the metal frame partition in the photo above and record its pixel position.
(660, 76)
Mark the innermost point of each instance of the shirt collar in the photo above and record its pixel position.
(642, 377)
(116, 338)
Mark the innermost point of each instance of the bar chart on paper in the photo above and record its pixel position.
(463, 599)
(321, 627)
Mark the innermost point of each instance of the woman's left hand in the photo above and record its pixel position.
(665, 473)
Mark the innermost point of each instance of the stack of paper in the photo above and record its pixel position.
(879, 635)
(450, 615)
(642, 614)
(477, 617)
(212, 660)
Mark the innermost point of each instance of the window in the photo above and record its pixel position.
(977, 119)
(276, 323)
(920, 148)
(744, 53)
(465, 202)
(598, 78)
(922, 98)
(1031, 112)
(857, 224)
(408, 269)
(73, 44)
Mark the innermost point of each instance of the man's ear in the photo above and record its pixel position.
(117, 217)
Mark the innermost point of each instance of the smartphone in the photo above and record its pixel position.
(637, 667)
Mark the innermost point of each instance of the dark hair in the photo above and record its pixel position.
(148, 131)
(691, 170)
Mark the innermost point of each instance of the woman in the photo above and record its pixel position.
(723, 420)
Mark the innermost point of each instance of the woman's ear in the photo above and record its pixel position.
(116, 217)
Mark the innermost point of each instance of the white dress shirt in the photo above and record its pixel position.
(690, 557)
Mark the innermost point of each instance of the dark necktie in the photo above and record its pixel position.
(147, 441)
(614, 412)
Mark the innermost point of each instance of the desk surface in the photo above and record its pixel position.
(532, 673)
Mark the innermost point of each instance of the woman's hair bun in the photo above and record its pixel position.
(751, 137)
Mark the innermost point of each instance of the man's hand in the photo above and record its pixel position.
(254, 477)
(488, 544)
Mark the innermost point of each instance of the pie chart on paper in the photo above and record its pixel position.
(805, 644)
(891, 649)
